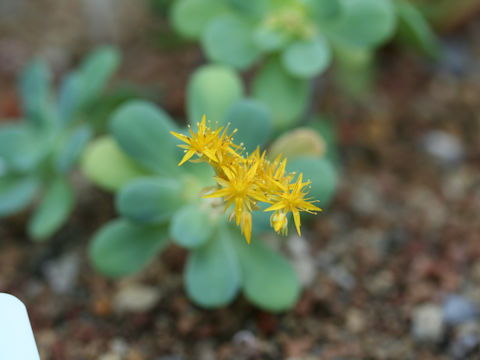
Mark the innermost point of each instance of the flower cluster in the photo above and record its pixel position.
(245, 180)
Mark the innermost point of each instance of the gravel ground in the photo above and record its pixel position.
(391, 270)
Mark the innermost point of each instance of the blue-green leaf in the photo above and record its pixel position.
(53, 210)
(414, 30)
(35, 90)
(150, 200)
(70, 96)
(286, 96)
(324, 10)
(121, 248)
(321, 173)
(253, 121)
(255, 9)
(71, 148)
(192, 225)
(143, 131)
(96, 70)
(307, 58)
(363, 23)
(190, 17)
(269, 39)
(269, 280)
(212, 275)
(107, 166)
(212, 90)
(22, 147)
(16, 194)
(228, 39)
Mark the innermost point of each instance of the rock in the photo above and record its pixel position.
(355, 320)
(458, 309)
(205, 351)
(443, 146)
(246, 342)
(381, 283)
(110, 356)
(365, 198)
(303, 261)
(467, 340)
(136, 298)
(428, 323)
(342, 277)
(119, 346)
(62, 273)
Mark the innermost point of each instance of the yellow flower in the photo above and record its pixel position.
(279, 222)
(293, 199)
(243, 181)
(206, 142)
(241, 190)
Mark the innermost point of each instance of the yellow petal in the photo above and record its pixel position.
(180, 136)
(187, 156)
(296, 218)
(278, 206)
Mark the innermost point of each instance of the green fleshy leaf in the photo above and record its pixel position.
(190, 17)
(253, 121)
(228, 39)
(191, 226)
(212, 90)
(298, 142)
(324, 10)
(364, 23)
(143, 131)
(150, 200)
(107, 166)
(53, 210)
(70, 96)
(122, 248)
(71, 149)
(212, 276)
(255, 9)
(321, 173)
(261, 219)
(35, 83)
(16, 194)
(269, 280)
(286, 96)
(354, 69)
(269, 39)
(307, 58)
(96, 70)
(415, 31)
(22, 147)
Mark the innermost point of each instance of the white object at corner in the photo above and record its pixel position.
(16, 336)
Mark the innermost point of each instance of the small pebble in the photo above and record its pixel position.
(443, 146)
(427, 323)
(458, 309)
(136, 298)
(62, 273)
(467, 340)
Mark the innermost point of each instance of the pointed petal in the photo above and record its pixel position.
(187, 156)
(278, 206)
(296, 218)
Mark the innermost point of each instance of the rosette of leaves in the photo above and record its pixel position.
(296, 40)
(38, 151)
(159, 202)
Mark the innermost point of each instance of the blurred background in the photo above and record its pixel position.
(391, 270)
